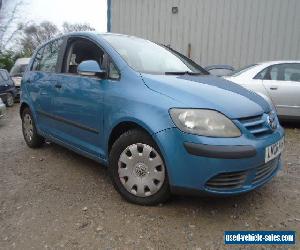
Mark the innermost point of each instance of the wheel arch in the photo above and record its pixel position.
(123, 127)
(22, 107)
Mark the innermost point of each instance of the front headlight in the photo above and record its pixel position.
(204, 122)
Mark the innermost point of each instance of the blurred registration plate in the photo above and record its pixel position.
(274, 150)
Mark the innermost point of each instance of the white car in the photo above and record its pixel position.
(278, 80)
(17, 71)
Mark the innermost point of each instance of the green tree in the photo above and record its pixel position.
(8, 58)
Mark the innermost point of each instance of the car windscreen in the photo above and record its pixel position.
(220, 72)
(148, 57)
(18, 70)
(242, 70)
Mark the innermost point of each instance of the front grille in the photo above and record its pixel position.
(234, 180)
(227, 181)
(256, 125)
(264, 171)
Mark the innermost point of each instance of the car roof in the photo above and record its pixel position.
(90, 34)
(268, 63)
(23, 60)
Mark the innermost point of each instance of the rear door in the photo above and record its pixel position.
(282, 82)
(40, 82)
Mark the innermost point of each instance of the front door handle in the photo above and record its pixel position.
(273, 88)
(57, 85)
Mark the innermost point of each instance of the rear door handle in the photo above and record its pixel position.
(57, 85)
(273, 88)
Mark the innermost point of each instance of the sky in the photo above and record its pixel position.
(73, 11)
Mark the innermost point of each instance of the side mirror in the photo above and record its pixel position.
(90, 68)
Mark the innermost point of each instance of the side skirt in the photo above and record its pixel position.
(74, 149)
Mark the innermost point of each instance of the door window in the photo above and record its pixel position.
(79, 50)
(281, 72)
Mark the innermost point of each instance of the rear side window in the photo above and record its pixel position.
(47, 57)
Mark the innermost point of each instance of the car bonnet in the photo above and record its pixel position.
(208, 92)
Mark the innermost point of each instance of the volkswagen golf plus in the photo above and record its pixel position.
(156, 119)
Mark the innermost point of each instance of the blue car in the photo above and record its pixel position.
(157, 120)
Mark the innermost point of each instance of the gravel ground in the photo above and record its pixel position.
(52, 198)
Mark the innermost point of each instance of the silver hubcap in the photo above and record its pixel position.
(141, 170)
(10, 100)
(28, 127)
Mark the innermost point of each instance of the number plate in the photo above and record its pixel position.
(274, 150)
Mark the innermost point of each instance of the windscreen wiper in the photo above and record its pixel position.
(183, 73)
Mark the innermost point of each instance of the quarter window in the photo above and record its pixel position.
(113, 72)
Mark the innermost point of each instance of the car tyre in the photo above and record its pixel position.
(135, 154)
(10, 100)
(32, 139)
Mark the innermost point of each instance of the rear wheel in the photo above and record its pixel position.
(9, 100)
(138, 170)
(32, 139)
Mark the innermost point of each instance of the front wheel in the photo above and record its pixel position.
(32, 139)
(138, 170)
(10, 100)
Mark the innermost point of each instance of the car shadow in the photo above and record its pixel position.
(86, 162)
(207, 204)
(290, 124)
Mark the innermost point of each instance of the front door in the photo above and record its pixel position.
(78, 99)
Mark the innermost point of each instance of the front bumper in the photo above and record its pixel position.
(196, 163)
